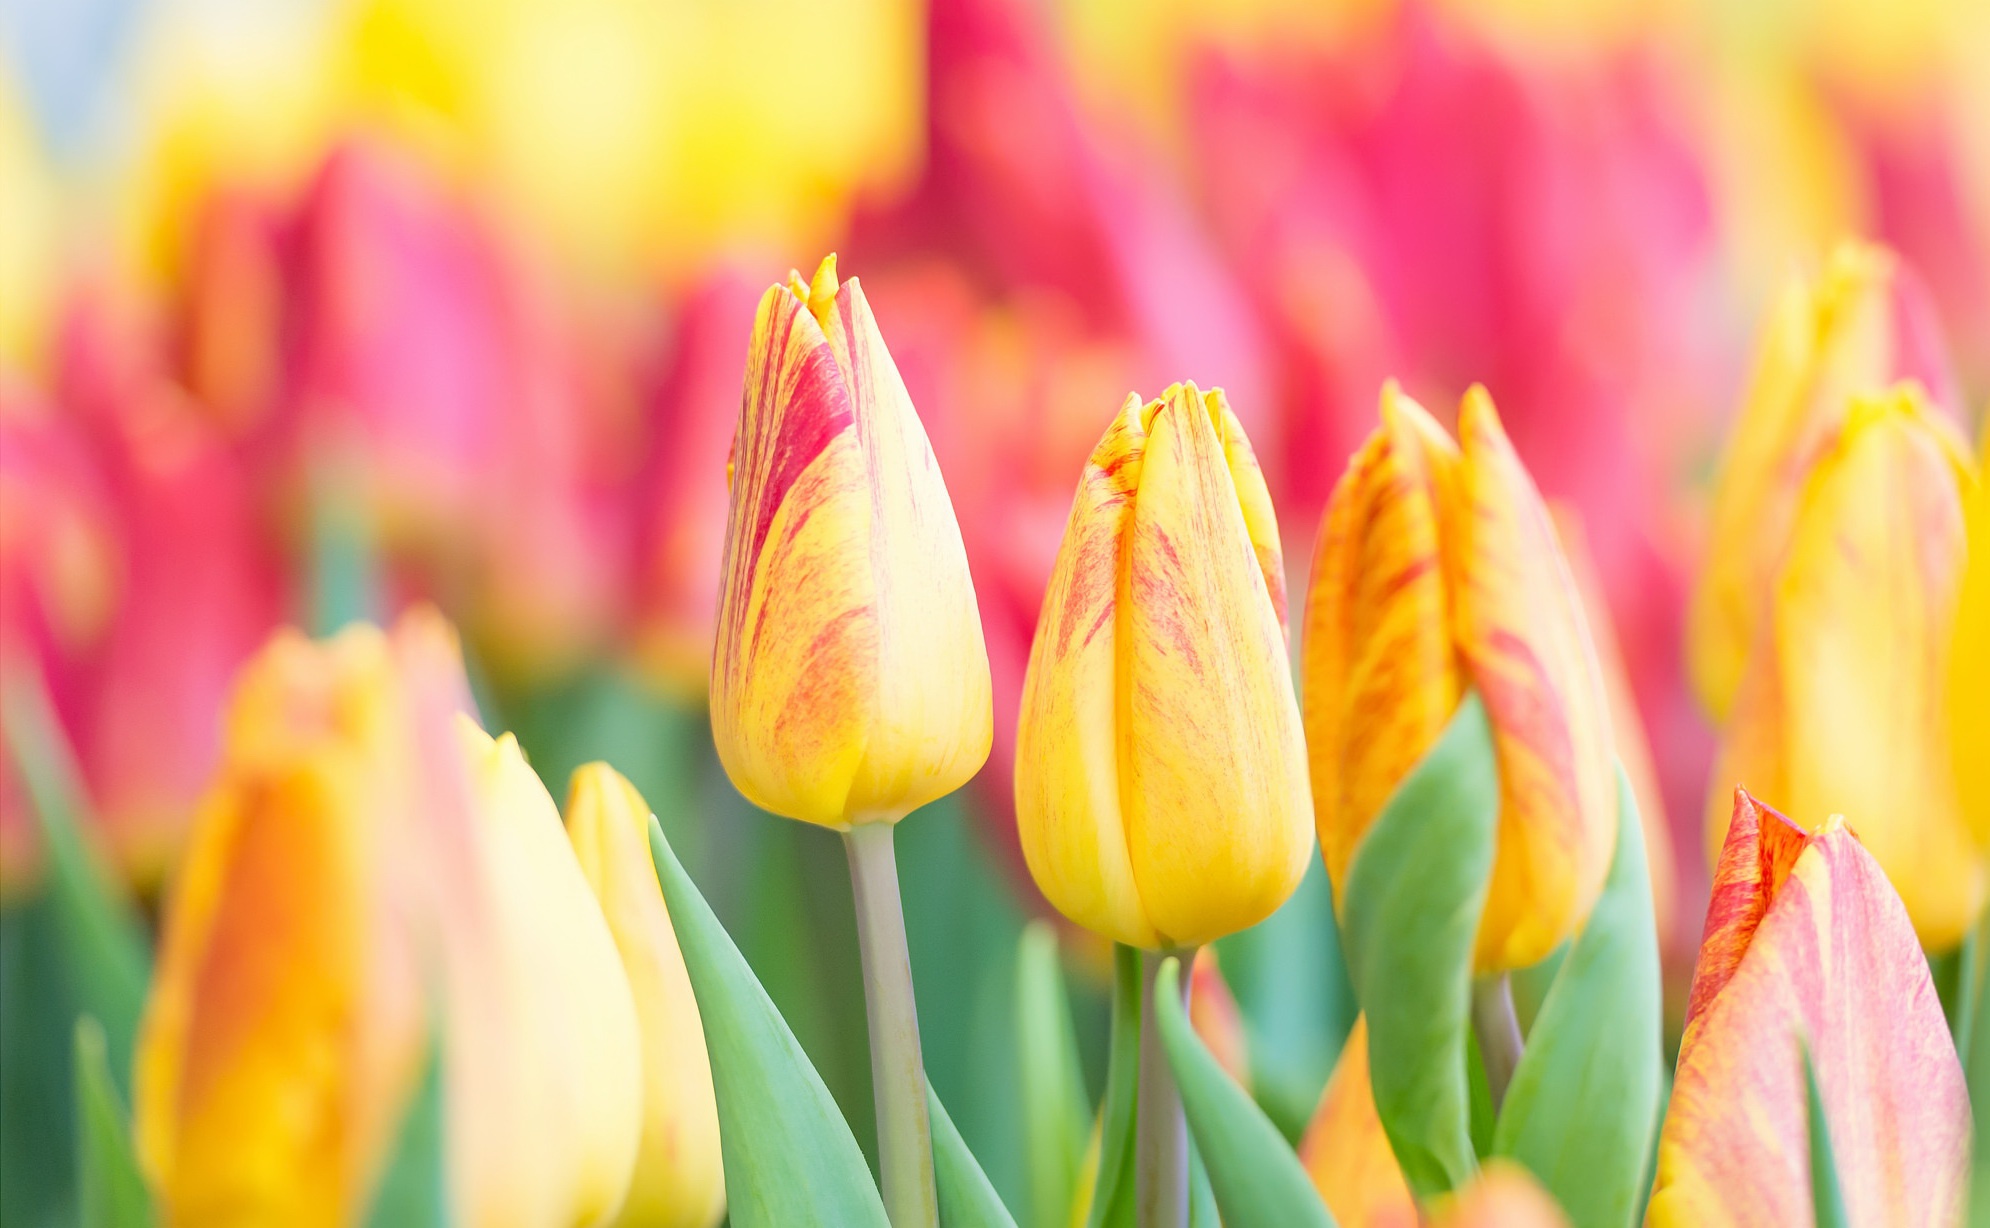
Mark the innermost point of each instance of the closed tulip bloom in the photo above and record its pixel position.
(679, 1180)
(1842, 709)
(849, 682)
(543, 1072)
(1161, 792)
(285, 1025)
(1806, 943)
(1504, 1195)
(1347, 1153)
(1438, 568)
(1969, 668)
(1857, 325)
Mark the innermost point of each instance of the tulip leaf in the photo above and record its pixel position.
(1202, 1211)
(1056, 1118)
(967, 1199)
(1255, 1177)
(109, 1191)
(1410, 917)
(1975, 1051)
(1113, 1195)
(1827, 1199)
(789, 1155)
(414, 1191)
(1583, 1105)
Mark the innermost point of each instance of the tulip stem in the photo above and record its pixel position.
(1160, 1166)
(1498, 1030)
(898, 1077)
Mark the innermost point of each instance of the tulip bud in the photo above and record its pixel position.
(1438, 567)
(543, 1072)
(1807, 944)
(1841, 710)
(1969, 666)
(1160, 769)
(1855, 327)
(1347, 1153)
(284, 1027)
(849, 681)
(1505, 1195)
(679, 1180)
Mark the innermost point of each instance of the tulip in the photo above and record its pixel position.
(849, 682)
(1213, 1013)
(1505, 1195)
(1969, 668)
(679, 1180)
(543, 1065)
(1438, 568)
(1807, 944)
(1160, 771)
(284, 1027)
(1854, 327)
(1347, 1153)
(1841, 710)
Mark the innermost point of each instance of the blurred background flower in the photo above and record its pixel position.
(315, 309)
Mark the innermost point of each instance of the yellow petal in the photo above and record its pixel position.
(1381, 676)
(1347, 1153)
(284, 1025)
(1969, 669)
(1212, 759)
(1068, 803)
(1526, 642)
(1823, 341)
(679, 1180)
(1844, 698)
(543, 1069)
(1260, 520)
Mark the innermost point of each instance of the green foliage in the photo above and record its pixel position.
(414, 1192)
(1256, 1180)
(1414, 895)
(1827, 1200)
(1113, 1194)
(109, 1191)
(1583, 1106)
(967, 1200)
(1056, 1118)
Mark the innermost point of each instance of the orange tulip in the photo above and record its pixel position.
(1347, 1153)
(1505, 1195)
(1807, 943)
(1438, 568)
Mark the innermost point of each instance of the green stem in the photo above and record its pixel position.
(1160, 1166)
(1498, 1030)
(898, 1078)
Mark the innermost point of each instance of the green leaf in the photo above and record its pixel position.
(414, 1193)
(1410, 916)
(109, 1191)
(1056, 1119)
(1202, 1211)
(967, 1200)
(1583, 1106)
(1113, 1195)
(1252, 1171)
(1826, 1199)
(1974, 1043)
(105, 960)
(789, 1155)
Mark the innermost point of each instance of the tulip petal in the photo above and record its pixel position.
(1212, 759)
(1813, 949)
(1525, 639)
(1068, 799)
(1381, 676)
(1346, 1152)
(1504, 1196)
(1969, 666)
(795, 665)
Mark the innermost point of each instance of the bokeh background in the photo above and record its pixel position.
(310, 309)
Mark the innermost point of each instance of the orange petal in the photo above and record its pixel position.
(1347, 1153)
(1807, 942)
(1505, 1195)
(1212, 1011)
(1381, 677)
(1525, 639)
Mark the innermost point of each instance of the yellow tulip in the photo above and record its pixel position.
(1161, 790)
(1824, 341)
(284, 1029)
(1438, 567)
(543, 1064)
(1841, 709)
(850, 681)
(1969, 670)
(679, 1180)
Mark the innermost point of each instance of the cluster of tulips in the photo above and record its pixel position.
(394, 986)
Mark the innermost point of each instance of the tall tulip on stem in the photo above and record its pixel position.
(1161, 788)
(849, 680)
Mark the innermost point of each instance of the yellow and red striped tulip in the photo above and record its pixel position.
(1347, 1153)
(1825, 340)
(679, 1180)
(1807, 943)
(850, 681)
(1841, 711)
(285, 1025)
(1504, 1195)
(543, 1073)
(1969, 665)
(1438, 568)
(1161, 791)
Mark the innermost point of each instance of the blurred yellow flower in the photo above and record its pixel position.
(1969, 670)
